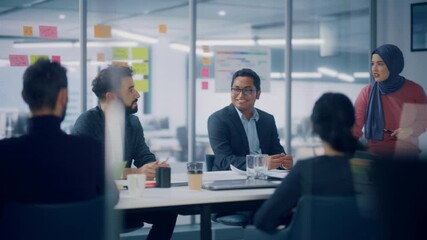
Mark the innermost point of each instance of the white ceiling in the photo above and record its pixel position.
(245, 19)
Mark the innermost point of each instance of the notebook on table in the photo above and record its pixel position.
(239, 184)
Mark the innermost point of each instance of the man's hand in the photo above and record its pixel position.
(277, 160)
(149, 169)
(402, 133)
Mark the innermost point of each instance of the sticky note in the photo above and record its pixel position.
(100, 57)
(34, 58)
(141, 68)
(56, 59)
(102, 31)
(205, 48)
(120, 64)
(205, 85)
(163, 28)
(206, 61)
(120, 53)
(18, 60)
(141, 85)
(140, 53)
(205, 72)
(50, 32)
(27, 31)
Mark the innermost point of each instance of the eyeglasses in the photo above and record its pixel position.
(246, 91)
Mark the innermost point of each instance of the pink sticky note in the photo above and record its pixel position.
(56, 59)
(205, 85)
(205, 72)
(18, 60)
(50, 32)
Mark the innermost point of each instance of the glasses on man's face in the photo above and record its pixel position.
(246, 91)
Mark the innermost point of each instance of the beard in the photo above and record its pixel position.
(130, 109)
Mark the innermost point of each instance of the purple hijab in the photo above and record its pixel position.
(374, 117)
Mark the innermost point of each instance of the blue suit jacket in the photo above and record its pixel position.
(229, 141)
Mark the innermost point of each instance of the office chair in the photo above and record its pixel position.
(321, 217)
(236, 219)
(68, 221)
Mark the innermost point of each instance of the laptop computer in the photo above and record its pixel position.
(239, 184)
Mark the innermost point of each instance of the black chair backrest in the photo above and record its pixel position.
(209, 158)
(78, 220)
(327, 217)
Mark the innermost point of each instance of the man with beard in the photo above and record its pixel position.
(47, 166)
(116, 83)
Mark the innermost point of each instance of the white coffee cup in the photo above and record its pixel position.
(136, 184)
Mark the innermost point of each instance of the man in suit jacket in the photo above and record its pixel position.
(240, 128)
(46, 165)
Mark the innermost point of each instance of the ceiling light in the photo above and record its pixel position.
(361, 74)
(133, 36)
(62, 16)
(112, 44)
(241, 42)
(295, 42)
(222, 13)
(185, 48)
(345, 77)
(327, 71)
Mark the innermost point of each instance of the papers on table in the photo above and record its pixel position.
(276, 173)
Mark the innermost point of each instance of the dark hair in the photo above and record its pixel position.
(333, 118)
(246, 72)
(109, 79)
(42, 82)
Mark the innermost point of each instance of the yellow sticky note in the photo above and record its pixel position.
(102, 31)
(141, 85)
(140, 53)
(206, 61)
(163, 28)
(120, 53)
(120, 64)
(141, 68)
(27, 31)
(34, 58)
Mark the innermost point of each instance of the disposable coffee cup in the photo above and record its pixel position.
(136, 184)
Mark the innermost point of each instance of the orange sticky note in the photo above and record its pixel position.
(56, 59)
(163, 28)
(27, 31)
(100, 57)
(18, 60)
(50, 32)
(120, 64)
(206, 61)
(205, 85)
(205, 72)
(141, 85)
(205, 48)
(102, 31)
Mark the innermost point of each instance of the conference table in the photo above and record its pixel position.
(184, 201)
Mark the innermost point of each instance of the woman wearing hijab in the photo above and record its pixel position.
(392, 108)
(328, 175)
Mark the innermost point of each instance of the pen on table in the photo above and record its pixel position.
(388, 131)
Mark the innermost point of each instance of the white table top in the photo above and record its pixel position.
(177, 196)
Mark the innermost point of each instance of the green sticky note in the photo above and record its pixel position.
(141, 85)
(141, 68)
(120, 53)
(140, 53)
(34, 58)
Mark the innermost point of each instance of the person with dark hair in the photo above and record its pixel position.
(240, 128)
(392, 109)
(116, 83)
(45, 165)
(328, 175)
